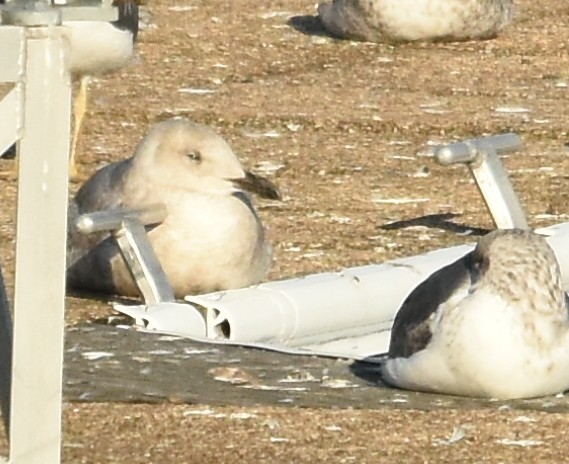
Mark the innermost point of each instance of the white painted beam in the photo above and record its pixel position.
(10, 115)
(41, 250)
(12, 52)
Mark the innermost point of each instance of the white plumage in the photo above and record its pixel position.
(212, 238)
(492, 324)
(412, 20)
(98, 47)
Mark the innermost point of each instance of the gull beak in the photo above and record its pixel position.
(253, 183)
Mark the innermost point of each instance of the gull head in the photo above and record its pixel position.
(195, 158)
(520, 266)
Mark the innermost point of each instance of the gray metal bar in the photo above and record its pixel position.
(481, 156)
(127, 227)
(467, 151)
(38, 12)
(498, 192)
(89, 13)
(35, 421)
(113, 219)
(142, 262)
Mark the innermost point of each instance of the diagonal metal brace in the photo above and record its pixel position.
(127, 227)
(481, 157)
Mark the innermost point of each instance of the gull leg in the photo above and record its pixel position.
(79, 111)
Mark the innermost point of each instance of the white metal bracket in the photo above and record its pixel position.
(127, 227)
(52, 12)
(481, 157)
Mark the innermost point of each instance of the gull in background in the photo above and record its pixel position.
(392, 21)
(492, 324)
(212, 238)
(98, 47)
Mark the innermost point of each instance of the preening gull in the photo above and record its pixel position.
(492, 324)
(415, 20)
(212, 238)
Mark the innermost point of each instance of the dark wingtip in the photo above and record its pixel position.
(412, 331)
(259, 185)
(128, 16)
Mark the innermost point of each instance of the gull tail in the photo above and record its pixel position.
(344, 19)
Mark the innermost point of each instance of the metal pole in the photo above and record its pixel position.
(127, 227)
(40, 250)
(481, 157)
(142, 263)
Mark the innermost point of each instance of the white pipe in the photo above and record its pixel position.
(346, 314)
(322, 306)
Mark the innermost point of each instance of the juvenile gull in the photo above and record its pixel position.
(492, 324)
(413, 20)
(212, 238)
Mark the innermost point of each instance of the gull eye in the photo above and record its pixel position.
(480, 265)
(194, 156)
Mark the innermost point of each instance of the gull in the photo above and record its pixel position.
(392, 21)
(96, 47)
(493, 324)
(212, 238)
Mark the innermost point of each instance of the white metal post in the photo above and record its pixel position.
(40, 250)
(481, 156)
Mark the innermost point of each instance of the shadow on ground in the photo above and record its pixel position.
(437, 221)
(309, 25)
(104, 363)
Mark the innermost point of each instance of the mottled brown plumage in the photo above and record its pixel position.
(212, 238)
(494, 323)
(391, 21)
